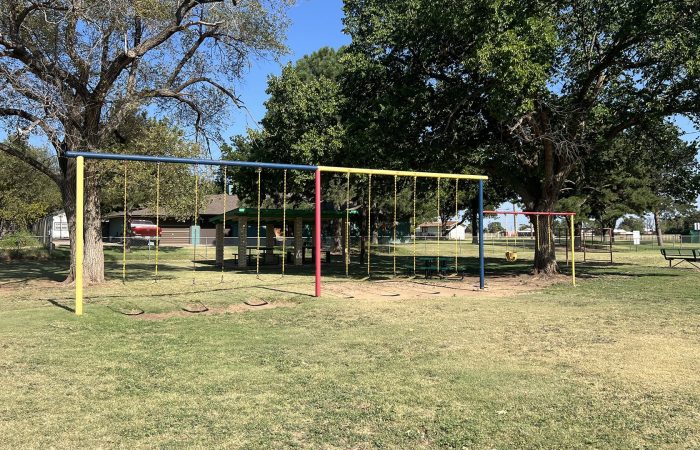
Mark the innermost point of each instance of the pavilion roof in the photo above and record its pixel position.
(277, 213)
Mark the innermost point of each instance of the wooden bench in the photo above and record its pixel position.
(689, 255)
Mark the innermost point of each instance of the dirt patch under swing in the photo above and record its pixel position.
(230, 309)
(502, 286)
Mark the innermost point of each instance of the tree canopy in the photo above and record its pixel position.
(73, 71)
(25, 194)
(526, 90)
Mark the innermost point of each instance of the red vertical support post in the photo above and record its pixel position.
(317, 233)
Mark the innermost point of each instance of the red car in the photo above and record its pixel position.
(145, 228)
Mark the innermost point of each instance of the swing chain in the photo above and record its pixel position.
(347, 228)
(415, 225)
(194, 226)
(124, 230)
(455, 227)
(284, 221)
(439, 220)
(257, 226)
(369, 223)
(157, 217)
(394, 227)
(223, 235)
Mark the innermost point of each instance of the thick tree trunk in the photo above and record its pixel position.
(657, 228)
(545, 258)
(93, 262)
(474, 218)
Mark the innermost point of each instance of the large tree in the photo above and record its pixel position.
(536, 87)
(648, 168)
(73, 70)
(25, 194)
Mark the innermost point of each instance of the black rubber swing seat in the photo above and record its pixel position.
(195, 308)
(255, 302)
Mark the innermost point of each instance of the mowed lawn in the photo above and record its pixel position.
(612, 363)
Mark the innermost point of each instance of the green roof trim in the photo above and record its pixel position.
(252, 213)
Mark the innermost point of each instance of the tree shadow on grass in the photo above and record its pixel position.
(49, 270)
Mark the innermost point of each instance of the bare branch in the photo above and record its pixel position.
(48, 130)
(187, 56)
(40, 66)
(35, 163)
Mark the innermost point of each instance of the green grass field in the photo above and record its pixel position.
(612, 363)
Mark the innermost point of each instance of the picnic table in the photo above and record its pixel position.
(441, 266)
(268, 254)
(304, 258)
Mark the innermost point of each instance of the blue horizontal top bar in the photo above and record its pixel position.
(173, 160)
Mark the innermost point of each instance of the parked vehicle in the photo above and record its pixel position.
(145, 228)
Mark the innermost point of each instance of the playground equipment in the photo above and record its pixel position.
(547, 218)
(512, 255)
(318, 171)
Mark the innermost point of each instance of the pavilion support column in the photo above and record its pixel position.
(242, 241)
(270, 241)
(298, 241)
(220, 244)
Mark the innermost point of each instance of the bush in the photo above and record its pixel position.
(21, 246)
(19, 240)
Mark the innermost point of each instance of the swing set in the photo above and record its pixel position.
(539, 217)
(414, 268)
(260, 166)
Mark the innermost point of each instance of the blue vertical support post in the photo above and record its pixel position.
(481, 234)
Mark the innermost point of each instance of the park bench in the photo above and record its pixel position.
(681, 255)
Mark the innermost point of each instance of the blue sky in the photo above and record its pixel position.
(314, 24)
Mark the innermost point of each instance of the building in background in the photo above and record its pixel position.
(174, 232)
(51, 229)
(430, 229)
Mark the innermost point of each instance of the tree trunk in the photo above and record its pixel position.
(659, 235)
(545, 258)
(375, 236)
(363, 236)
(337, 236)
(93, 261)
(474, 219)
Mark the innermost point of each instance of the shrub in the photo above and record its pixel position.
(21, 246)
(19, 240)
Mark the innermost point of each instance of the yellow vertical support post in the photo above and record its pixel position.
(573, 253)
(79, 233)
